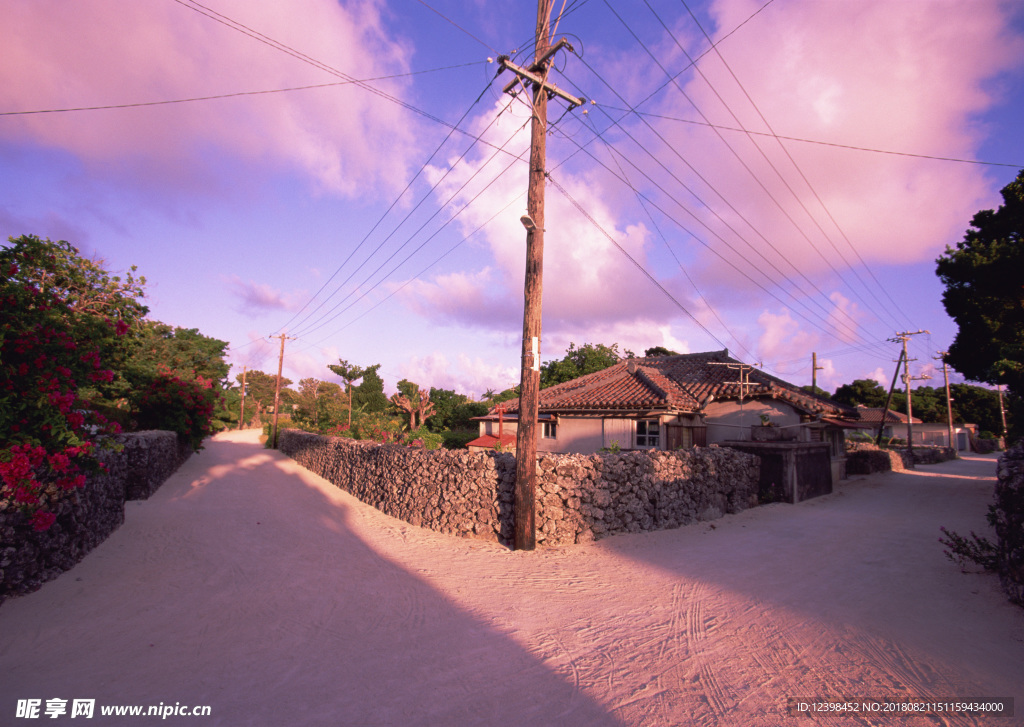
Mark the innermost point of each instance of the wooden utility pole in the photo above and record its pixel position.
(525, 537)
(904, 337)
(277, 389)
(815, 368)
(888, 400)
(949, 401)
(1002, 413)
(241, 414)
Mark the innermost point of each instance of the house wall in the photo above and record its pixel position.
(578, 497)
(575, 434)
(727, 420)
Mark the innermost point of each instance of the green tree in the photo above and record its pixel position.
(184, 351)
(260, 394)
(978, 405)
(660, 351)
(577, 362)
(307, 401)
(369, 395)
(984, 295)
(865, 392)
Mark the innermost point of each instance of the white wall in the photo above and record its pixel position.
(728, 420)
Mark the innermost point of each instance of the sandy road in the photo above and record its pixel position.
(254, 587)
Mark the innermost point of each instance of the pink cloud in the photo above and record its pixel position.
(872, 74)
(587, 279)
(259, 296)
(60, 55)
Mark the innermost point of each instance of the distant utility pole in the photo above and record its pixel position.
(1002, 412)
(241, 414)
(815, 368)
(533, 221)
(904, 337)
(949, 401)
(277, 389)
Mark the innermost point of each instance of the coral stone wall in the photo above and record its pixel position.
(86, 516)
(1007, 517)
(578, 497)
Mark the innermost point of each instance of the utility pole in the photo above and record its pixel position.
(904, 337)
(241, 414)
(949, 401)
(815, 368)
(1003, 413)
(529, 385)
(888, 399)
(277, 389)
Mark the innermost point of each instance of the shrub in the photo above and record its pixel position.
(48, 354)
(1005, 556)
(179, 405)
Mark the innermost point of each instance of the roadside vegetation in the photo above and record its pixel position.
(80, 362)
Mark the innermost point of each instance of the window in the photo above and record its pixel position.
(647, 433)
(548, 430)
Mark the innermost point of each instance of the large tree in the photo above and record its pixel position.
(351, 373)
(261, 386)
(864, 392)
(577, 362)
(985, 293)
(184, 351)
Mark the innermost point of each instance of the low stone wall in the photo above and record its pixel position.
(579, 497)
(86, 516)
(1007, 516)
(865, 459)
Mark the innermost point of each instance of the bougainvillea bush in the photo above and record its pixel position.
(177, 404)
(54, 330)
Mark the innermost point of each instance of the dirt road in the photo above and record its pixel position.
(250, 586)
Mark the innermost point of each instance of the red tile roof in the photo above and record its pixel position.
(873, 415)
(508, 441)
(683, 383)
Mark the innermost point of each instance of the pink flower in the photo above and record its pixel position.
(59, 462)
(121, 328)
(42, 520)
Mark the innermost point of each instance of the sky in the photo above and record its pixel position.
(776, 178)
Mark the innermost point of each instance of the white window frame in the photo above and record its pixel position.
(548, 429)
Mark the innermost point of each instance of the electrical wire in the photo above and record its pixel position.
(814, 192)
(236, 94)
(833, 144)
(380, 220)
(636, 263)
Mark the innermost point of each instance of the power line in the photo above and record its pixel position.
(667, 170)
(327, 317)
(814, 141)
(235, 94)
(731, 207)
(446, 18)
(770, 163)
(385, 214)
(632, 259)
(796, 166)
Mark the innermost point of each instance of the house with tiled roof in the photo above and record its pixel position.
(925, 434)
(671, 402)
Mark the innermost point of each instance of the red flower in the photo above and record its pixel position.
(42, 520)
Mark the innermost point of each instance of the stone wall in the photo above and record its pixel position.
(863, 458)
(579, 497)
(1007, 516)
(86, 516)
